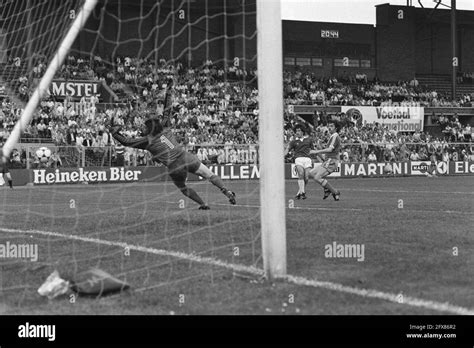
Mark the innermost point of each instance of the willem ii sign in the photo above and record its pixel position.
(76, 88)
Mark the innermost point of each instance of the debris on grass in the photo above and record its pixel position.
(96, 282)
(93, 282)
(54, 286)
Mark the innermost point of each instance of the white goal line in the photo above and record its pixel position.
(368, 293)
(251, 206)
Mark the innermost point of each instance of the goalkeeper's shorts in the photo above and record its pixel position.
(184, 164)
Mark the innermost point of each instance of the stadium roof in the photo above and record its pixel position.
(211, 5)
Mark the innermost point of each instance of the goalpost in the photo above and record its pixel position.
(46, 80)
(272, 179)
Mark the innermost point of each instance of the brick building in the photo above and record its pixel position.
(405, 42)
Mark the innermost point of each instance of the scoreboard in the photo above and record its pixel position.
(330, 34)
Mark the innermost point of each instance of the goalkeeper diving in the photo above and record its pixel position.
(161, 143)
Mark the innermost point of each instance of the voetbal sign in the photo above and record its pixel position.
(397, 118)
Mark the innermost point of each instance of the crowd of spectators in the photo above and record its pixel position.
(374, 143)
(305, 88)
(466, 77)
(214, 110)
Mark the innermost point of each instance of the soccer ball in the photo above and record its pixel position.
(43, 154)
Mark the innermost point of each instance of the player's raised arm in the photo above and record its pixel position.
(168, 103)
(138, 143)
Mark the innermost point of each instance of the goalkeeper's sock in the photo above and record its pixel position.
(329, 187)
(189, 192)
(10, 183)
(217, 181)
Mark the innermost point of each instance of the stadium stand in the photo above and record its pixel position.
(214, 108)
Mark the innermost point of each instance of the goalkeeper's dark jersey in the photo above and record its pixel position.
(163, 147)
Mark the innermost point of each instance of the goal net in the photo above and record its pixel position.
(30, 35)
(82, 204)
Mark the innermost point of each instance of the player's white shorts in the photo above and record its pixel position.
(305, 162)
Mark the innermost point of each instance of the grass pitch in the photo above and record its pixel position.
(416, 233)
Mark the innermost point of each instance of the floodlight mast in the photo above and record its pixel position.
(455, 59)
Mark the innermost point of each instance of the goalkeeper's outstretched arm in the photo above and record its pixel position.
(138, 143)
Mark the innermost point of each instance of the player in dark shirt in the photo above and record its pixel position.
(4, 169)
(162, 144)
(300, 147)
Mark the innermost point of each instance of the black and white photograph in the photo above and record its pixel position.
(302, 166)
